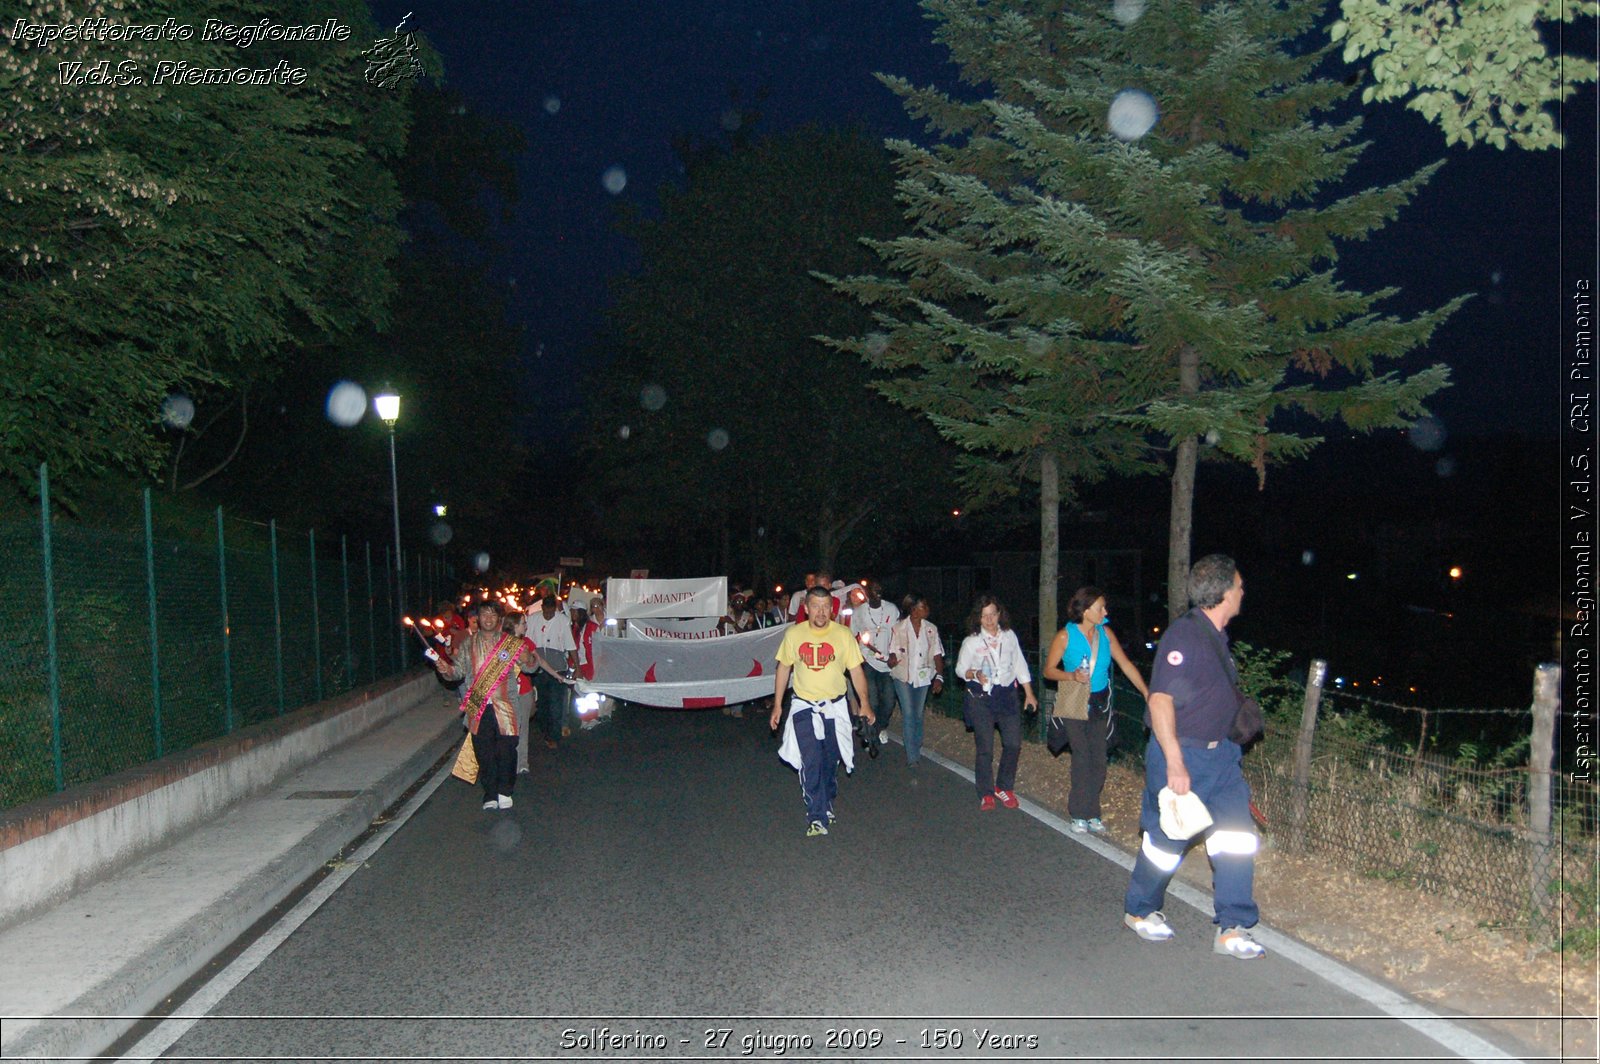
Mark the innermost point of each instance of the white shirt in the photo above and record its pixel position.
(999, 657)
(915, 652)
(556, 633)
(874, 621)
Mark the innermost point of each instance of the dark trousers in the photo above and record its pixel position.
(497, 757)
(998, 709)
(1231, 842)
(1088, 740)
(549, 710)
(880, 689)
(819, 760)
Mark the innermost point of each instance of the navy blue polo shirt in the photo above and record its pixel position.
(1190, 668)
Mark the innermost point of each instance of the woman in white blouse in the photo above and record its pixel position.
(916, 664)
(992, 665)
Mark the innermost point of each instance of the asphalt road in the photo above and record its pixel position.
(654, 883)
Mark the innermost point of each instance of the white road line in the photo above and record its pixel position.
(1460, 1042)
(203, 1001)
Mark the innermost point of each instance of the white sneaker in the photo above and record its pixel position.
(504, 802)
(1237, 942)
(1152, 928)
(491, 804)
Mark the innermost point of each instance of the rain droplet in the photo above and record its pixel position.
(877, 343)
(624, 432)
(731, 120)
(177, 411)
(347, 403)
(1213, 437)
(652, 397)
(1127, 12)
(1445, 467)
(440, 533)
(506, 835)
(1037, 345)
(1427, 434)
(480, 561)
(615, 179)
(552, 104)
(1307, 557)
(1133, 113)
(717, 439)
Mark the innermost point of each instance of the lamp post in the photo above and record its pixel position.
(388, 406)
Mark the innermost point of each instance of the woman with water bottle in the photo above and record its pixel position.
(1089, 648)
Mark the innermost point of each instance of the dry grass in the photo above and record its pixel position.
(1430, 947)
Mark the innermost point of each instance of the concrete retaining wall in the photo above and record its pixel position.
(57, 845)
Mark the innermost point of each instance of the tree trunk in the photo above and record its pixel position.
(1181, 524)
(1049, 543)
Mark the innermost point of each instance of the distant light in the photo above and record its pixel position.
(955, 513)
(1455, 572)
(1350, 576)
(388, 407)
(440, 509)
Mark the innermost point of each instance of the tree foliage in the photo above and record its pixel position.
(161, 237)
(720, 318)
(1479, 70)
(1186, 280)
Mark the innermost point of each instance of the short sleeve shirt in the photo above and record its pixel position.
(1193, 666)
(819, 659)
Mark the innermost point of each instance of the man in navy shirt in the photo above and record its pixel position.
(1193, 699)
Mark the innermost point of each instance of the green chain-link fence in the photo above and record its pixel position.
(124, 647)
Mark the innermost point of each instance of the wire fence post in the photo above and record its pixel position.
(155, 640)
(277, 613)
(316, 622)
(1546, 705)
(227, 657)
(1301, 785)
(344, 575)
(372, 621)
(51, 663)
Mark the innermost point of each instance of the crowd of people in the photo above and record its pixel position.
(850, 659)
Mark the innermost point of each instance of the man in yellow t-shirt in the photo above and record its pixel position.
(820, 653)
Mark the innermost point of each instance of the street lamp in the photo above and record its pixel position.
(387, 404)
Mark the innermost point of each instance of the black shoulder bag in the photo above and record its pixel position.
(1248, 721)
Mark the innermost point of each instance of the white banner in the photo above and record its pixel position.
(690, 674)
(675, 628)
(703, 597)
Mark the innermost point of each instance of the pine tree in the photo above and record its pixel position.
(1175, 277)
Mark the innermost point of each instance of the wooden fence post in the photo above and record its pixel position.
(1301, 788)
(1546, 705)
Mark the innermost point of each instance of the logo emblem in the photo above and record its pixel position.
(1174, 657)
(816, 656)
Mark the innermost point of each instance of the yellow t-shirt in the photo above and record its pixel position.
(819, 658)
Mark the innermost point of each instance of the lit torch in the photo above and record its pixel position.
(426, 645)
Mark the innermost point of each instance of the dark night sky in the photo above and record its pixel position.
(630, 76)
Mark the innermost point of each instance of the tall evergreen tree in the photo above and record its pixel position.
(1189, 250)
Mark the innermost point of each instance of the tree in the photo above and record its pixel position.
(1190, 273)
(1478, 70)
(161, 237)
(755, 426)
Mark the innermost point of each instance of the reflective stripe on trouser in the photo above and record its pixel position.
(819, 760)
(1231, 843)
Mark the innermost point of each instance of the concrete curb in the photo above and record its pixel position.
(108, 1010)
